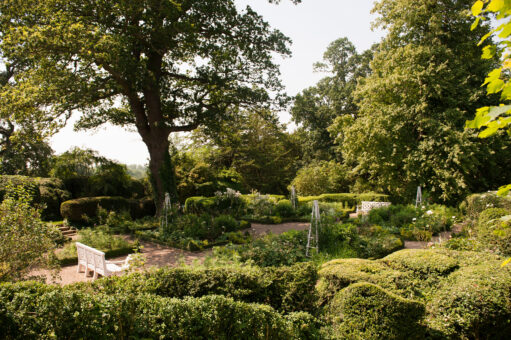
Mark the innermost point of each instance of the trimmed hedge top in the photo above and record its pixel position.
(83, 210)
(467, 294)
(33, 311)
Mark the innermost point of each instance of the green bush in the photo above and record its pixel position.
(349, 199)
(367, 311)
(270, 250)
(473, 303)
(284, 208)
(477, 203)
(320, 177)
(38, 311)
(495, 234)
(48, 192)
(287, 289)
(85, 210)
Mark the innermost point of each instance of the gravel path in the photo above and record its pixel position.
(160, 256)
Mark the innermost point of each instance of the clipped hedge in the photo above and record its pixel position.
(83, 210)
(49, 192)
(474, 302)
(467, 294)
(367, 311)
(34, 311)
(287, 289)
(349, 199)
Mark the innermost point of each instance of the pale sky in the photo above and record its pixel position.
(312, 26)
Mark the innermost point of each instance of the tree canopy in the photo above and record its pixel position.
(425, 83)
(159, 66)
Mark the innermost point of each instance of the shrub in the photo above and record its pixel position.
(63, 313)
(473, 303)
(225, 223)
(47, 192)
(84, 210)
(287, 289)
(269, 250)
(25, 240)
(349, 199)
(321, 177)
(491, 214)
(367, 311)
(495, 235)
(284, 208)
(477, 203)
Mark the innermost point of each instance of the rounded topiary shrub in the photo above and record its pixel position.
(367, 311)
(473, 303)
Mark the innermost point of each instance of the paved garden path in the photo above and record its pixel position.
(160, 256)
(442, 237)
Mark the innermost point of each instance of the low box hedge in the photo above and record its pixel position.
(367, 311)
(467, 294)
(287, 289)
(83, 210)
(34, 311)
(345, 198)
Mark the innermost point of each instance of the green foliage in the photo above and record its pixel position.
(475, 204)
(254, 146)
(473, 303)
(269, 250)
(287, 289)
(466, 293)
(127, 76)
(48, 193)
(86, 174)
(315, 108)
(34, 310)
(284, 208)
(85, 210)
(425, 79)
(367, 311)
(26, 241)
(493, 230)
(493, 118)
(321, 177)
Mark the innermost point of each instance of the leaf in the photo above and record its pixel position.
(506, 31)
(496, 111)
(475, 24)
(495, 5)
(505, 262)
(488, 132)
(493, 75)
(477, 8)
(504, 190)
(489, 52)
(495, 86)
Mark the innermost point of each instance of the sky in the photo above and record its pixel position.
(312, 26)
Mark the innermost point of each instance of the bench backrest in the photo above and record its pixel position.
(92, 258)
(368, 205)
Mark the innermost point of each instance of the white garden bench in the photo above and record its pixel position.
(366, 206)
(94, 260)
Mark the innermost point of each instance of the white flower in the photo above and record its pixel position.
(429, 212)
(414, 219)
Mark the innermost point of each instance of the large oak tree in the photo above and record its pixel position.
(159, 66)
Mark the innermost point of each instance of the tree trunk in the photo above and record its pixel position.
(163, 178)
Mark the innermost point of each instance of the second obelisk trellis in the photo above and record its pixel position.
(313, 236)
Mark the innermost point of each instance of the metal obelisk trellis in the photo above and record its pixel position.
(313, 237)
(167, 207)
(418, 201)
(293, 198)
